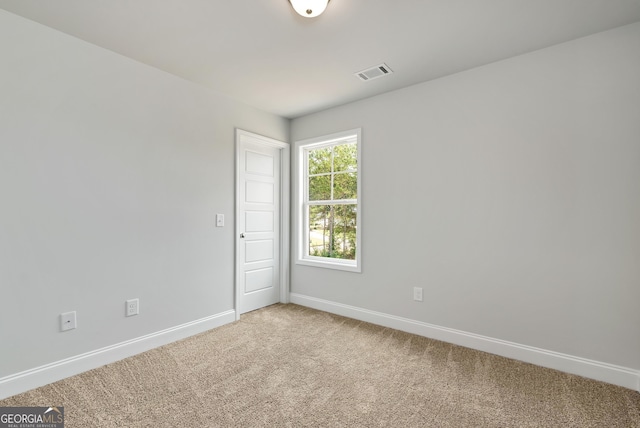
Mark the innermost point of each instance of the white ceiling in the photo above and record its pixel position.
(262, 53)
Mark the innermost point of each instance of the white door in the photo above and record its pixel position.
(259, 272)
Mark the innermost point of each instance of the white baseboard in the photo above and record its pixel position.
(43, 375)
(616, 375)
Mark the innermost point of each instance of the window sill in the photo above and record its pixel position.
(327, 263)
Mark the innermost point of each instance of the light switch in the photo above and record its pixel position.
(68, 321)
(219, 220)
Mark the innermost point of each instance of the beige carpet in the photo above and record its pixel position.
(290, 366)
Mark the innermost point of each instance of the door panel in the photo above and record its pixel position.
(259, 221)
(256, 251)
(259, 279)
(259, 163)
(259, 192)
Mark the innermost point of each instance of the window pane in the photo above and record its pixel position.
(319, 234)
(345, 231)
(332, 231)
(320, 188)
(345, 186)
(320, 161)
(345, 157)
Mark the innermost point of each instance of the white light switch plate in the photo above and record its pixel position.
(68, 321)
(219, 220)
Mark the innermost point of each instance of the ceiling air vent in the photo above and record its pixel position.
(374, 72)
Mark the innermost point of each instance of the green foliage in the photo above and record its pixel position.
(333, 177)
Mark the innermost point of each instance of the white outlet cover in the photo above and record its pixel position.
(132, 307)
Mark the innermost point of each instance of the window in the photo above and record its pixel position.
(329, 211)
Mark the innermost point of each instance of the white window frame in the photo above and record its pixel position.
(301, 236)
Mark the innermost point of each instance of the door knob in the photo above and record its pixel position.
(242, 235)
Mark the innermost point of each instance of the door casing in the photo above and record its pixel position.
(285, 184)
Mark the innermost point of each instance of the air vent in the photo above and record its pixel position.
(374, 72)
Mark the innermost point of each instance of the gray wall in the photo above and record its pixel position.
(111, 173)
(510, 193)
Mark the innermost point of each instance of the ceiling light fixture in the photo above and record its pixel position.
(309, 8)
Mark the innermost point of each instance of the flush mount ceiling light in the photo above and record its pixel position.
(309, 8)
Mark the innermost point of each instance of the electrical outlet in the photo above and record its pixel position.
(133, 307)
(68, 321)
(417, 294)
